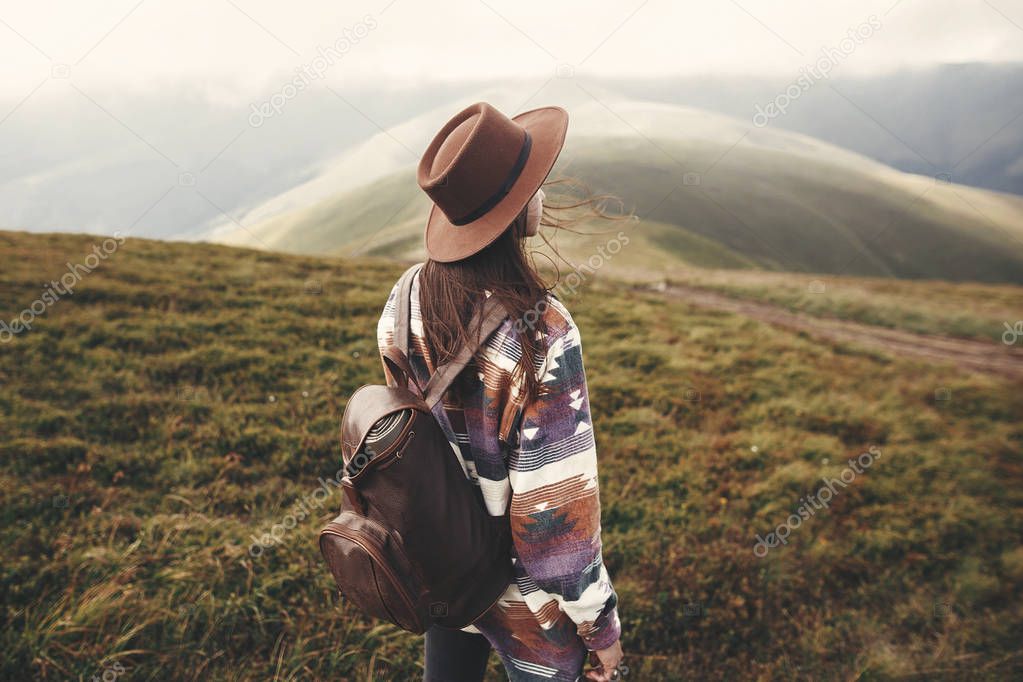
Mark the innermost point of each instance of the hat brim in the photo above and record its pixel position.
(446, 242)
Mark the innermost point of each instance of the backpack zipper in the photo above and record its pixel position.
(397, 452)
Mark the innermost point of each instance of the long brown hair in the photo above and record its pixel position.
(450, 293)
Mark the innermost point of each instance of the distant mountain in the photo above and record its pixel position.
(708, 190)
(960, 120)
(174, 162)
(168, 162)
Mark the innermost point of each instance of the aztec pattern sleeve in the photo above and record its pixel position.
(555, 506)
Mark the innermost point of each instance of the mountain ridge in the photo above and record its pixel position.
(766, 198)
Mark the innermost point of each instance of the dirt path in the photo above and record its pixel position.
(976, 356)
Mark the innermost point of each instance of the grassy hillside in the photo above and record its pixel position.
(711, 192)
(186, 397)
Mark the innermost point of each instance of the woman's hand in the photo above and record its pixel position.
(609, 658)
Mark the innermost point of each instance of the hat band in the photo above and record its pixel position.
(503, 190)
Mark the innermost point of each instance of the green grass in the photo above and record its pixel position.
(966, 310)
(187, 396)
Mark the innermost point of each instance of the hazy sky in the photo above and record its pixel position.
(237, 49)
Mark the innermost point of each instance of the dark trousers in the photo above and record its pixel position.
(455, 656)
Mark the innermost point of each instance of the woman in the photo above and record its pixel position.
(518, 416)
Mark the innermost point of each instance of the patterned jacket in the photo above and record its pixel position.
(535, 459)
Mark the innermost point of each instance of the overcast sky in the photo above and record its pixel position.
(235, 49)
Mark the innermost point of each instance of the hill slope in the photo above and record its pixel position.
(709, 191)
(185, 399)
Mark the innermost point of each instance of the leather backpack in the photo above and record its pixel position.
(414, 544)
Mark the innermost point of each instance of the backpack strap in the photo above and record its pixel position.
(487, 319)
(404, 311)
(400, 370)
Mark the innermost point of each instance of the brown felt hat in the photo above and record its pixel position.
(481, 170)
